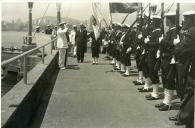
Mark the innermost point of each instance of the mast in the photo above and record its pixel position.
(110, 6)
(58, 12)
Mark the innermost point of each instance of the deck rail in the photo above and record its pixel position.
(25, 54)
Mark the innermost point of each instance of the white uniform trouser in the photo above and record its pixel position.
(127, 70)
(62, 53)
(168, 96)
(122, 68)
(147, 83)
(155, 90)
(73, 49)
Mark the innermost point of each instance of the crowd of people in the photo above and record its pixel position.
(170, 54)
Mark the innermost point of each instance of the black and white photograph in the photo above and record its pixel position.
(97, 63)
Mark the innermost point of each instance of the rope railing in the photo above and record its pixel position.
(25, 54)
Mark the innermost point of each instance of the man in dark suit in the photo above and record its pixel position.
(49, 30)
(81, 43)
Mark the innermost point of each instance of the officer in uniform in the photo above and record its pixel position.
(152, 44)
(113, 43)
(122, 49)
(166, 51)
(117, 49)
(146, 30)
(127, 44)
(185, 58)
(139, 48)
(49, 30)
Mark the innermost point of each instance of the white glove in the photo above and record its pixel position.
(158, 54)
(146, 40)
(140, 36)
(121, 43)
(138, 47)
(128, 50)
(172, 61)
(161, 38)
(143, 52)
(176, 41)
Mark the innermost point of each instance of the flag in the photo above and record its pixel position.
(123, 7)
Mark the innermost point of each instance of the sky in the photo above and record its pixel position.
(13, 11)
(77, 10)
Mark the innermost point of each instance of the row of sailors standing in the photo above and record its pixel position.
(171, 53)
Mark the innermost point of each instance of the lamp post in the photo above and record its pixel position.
(30, 6)
(58, 12)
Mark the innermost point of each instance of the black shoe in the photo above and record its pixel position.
(122, 72)
(150, 97)
(115, 68)
(125, 75)
(140, 88)
(118, 70)
(165, 108)
(139, 83)
(153, 98)
(159, 105)
(146, 90)
(179, 123)
(174, 118)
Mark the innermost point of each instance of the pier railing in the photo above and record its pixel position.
(25, 54)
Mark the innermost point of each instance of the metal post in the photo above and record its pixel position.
(58, 12)
(30, 5)
(43, 55)
(25, 70)
(52, 44)
(177, 18)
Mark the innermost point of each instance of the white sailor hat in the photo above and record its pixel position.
(74, 26)
(153, 5)
(170, 14)
(37, 27)
(127, 25)
(188, 13)
(146, 14)
(62, 23)
(155, 17)
(119, 24)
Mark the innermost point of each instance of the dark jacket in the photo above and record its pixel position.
(81, 41)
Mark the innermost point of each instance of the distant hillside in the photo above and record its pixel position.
(47, 20)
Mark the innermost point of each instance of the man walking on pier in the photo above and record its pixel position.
(81, 43)
(62, 44)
